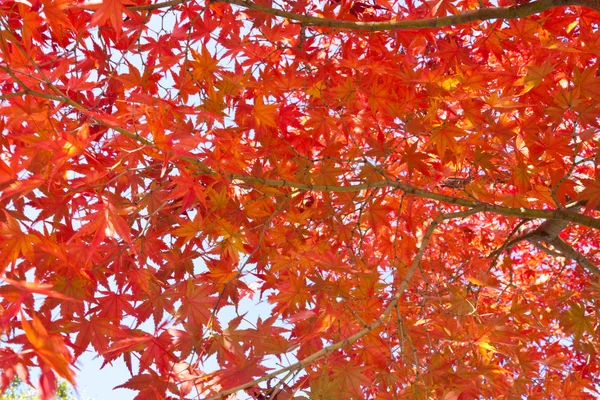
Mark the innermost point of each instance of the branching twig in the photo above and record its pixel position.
(548, 232)
(384, 315)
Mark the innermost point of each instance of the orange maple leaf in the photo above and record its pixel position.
(264, 114)
(591, 193)
(40, 288)
(31, 21)
(50, 348)
(15, 243)
(54, 11)
(107, 10)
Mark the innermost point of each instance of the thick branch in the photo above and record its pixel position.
(482, 14)
(384, 315)
(507, 211)
(562, 215)
(568, 251)
(548, 232)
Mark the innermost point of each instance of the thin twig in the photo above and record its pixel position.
(375, 324)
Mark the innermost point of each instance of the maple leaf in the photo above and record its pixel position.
(15, 243)
(95, 331)
(291, 294)
(591, 192)
(444, 139)
(373, 188)
(149, 385)
(327, 174)
(47, 383)
(31, 20)
(351, 378)
(33, 287)
(222, 271)
(325, 387)
(13, 364)
(535, 76)
(106, 222)
(54, 12)
(50, 348)
(153, 349)
(578, 322)
(378, 214)
(415, 160)
(587, 81)
(189, 229)
(156, 304)
(241, 372)
(113, 305)
(204, 65)
(459, 303)
(264, 114)
(441, 7)
(380, 97)
(107, 10)
(522, 176)
(197, 307)
(6, 173)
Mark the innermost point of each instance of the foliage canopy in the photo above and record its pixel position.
(406, 190)
(18, 390)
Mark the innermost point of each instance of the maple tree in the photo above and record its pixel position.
(410, 189)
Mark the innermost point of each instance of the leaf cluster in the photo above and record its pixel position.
(302, 199)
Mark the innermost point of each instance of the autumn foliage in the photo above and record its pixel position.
(406, 192)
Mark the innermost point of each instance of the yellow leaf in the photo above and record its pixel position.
(535, 75)
(450, 84)
(204, 65)
(483, 343)
(579, 322)
(315, 91)
(190, 229)
(264, 114)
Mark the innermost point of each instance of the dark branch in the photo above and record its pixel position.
(548, 232)
(483, 14)
(527, 213)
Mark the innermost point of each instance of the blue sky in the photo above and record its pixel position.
(96, 383)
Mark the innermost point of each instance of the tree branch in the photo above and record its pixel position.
(483, 14)
(156, 6)
(520, 212)
(548, 232)
(384, 315)
(568, 251)
(528, 213)
(561, 215)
